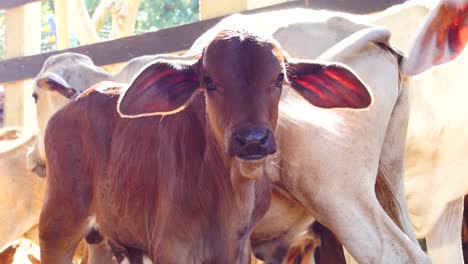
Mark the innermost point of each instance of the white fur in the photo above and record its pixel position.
(92, 223)
(437, 142)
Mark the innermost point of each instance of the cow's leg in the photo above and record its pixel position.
(330, 248)
(444, 240)
(347, 205)
(368, 232)
(99, 254)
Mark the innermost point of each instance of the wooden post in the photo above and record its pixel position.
(62, 16)
(215, 8)
(22, 37)
(81, 23)
(253, 4)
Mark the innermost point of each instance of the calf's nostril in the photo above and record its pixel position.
(240, 139)
(264, 138)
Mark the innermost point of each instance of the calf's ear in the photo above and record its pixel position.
(162, 87)
(442, 38)
(328, 85)
(54, 82)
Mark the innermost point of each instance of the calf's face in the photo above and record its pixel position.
(242, 76)
(242, 79)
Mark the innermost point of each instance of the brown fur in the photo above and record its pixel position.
(135, 207)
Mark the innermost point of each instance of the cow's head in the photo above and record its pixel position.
(242, 76)
(441, 39)
(61, 77)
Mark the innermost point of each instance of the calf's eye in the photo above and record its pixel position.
(279, 80)
(210, 86)
(34, 95)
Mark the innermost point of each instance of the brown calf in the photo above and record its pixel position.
(179, 178)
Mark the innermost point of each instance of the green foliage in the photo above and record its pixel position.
(157, 14)
(91, 5)
(47, 37)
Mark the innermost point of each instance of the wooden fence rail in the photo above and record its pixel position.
(162, 41)
(7, 4)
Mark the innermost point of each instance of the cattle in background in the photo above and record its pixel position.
(75, 73)
(69, 70)
(437, 140)
(434, 166)
(22, 192)
(187, 186)
(330, 30)
(20, 163)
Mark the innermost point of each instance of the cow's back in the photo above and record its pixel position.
(77, 141)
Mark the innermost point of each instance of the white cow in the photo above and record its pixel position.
(69, 70)
(22, 192)
(436, 151)
(62, 77)
(21, 251)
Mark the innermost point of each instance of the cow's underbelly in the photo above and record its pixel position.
(284, 220)
(124, 225)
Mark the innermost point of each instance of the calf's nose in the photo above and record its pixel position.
(252, 143)
(254, 136)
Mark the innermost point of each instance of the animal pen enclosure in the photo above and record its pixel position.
(22, 41)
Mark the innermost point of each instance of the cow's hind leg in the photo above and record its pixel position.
(444, 240)
(362, 226)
